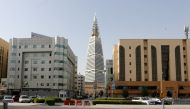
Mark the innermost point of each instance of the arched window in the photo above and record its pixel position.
(154, 63)
(138, 63)
(121, 63)
(178, 63)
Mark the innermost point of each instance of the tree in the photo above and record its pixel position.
(125, 93)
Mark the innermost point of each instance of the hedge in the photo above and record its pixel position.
(116, 102)
(39, 100)
(50, 101)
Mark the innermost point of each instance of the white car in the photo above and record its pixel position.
(8, 99)
(141, 99)
(24, 99)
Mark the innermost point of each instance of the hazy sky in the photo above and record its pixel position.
(72, 19)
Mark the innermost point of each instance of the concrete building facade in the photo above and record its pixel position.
(41, 65)
(4, 48)
(80, 83)
(162, 66)
(109, 71)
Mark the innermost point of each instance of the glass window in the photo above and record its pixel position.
(34, 77)
(42, 76)
(138, 63)
(49, 69)
(13, 54)
(35, 69)
(178, 63)
(47, 84)
(42, 69)
(34, 46)
(43, 62)
(26, 62)
(14, 46)
(25, 69)
(42, 46)
(13, 61)
(122, 63)
(35, 61)
(25, 46)
(25, 76)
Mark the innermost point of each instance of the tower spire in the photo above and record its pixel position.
(95, 31)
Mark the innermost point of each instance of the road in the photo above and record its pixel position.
(60, 106)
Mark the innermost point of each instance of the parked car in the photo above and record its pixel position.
(141, 99)
(8, 98)
(24, 99)
(155, 101)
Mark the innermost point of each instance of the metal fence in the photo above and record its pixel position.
(182, 101)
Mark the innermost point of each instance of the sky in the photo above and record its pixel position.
(73, 19)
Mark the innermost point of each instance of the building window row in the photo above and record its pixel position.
(35, 69)
(33, 46)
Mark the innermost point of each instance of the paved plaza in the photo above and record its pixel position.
(61, 106)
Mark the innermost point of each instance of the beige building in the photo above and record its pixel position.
(92, 87)
(4, 47)
(160, 65)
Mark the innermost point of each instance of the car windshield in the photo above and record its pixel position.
(8, 97)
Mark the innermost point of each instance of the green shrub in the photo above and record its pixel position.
(58, 100)
(116, 102)
(50, 101)
(39, 100)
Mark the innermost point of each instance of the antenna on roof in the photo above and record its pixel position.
(186, 30)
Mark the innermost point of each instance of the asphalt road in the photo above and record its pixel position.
(61, 106)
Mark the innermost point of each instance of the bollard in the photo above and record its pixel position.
(5, 105)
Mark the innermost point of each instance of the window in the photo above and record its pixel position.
(129, 47)
(14, 46)
(25, 76)
(146, 79)
(13, 61)
(34, 77)
(138, 63)
(60, 84)
(19, 46)
(47, 84)
(145, 48)
(25, 46)
(42, 69)
(145, 56)
(60, 76)
(26, 62)
(146, 72)
(129, 55)
(49, 69)
(49, 54)
(18, 69)
(43, 62)
(183, 48)
(18, 76)
(42, 84)
(25, 69)
(34, 46)
(49, 77)
(129, 63)
(53, 84)
(13, 54)
(184, 56)
(19, 54)
(18, 61)
(42, 76)
(42, 46)
(178, 63)
(185, 72)
(130, 71)
(49, 62)
(49, 46)
(122, 63)
(35, 69)
(35, 61)
(154, 63)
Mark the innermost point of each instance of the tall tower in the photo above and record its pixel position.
(95, 60)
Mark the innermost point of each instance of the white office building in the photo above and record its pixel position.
(41, 65)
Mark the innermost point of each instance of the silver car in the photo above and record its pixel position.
(24, 99)
(8, 99)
